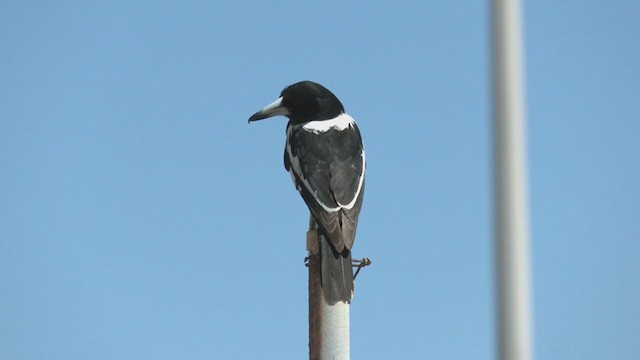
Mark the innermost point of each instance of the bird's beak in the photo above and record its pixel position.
(273, 109)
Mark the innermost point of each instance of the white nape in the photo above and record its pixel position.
(340, 122)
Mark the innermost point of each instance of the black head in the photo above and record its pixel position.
(303, 102)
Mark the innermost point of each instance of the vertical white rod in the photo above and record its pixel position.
(512, 243)
(328, 324)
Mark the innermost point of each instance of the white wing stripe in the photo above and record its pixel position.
(355, 197)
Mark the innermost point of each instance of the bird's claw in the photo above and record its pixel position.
(359, 264)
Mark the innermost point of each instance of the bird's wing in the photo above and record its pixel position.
(349, 220)
(328, 169)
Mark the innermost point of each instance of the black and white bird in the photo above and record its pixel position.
(325, 157)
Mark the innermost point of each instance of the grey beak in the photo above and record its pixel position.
(273, 109)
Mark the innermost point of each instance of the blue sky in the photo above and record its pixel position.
(142, 218)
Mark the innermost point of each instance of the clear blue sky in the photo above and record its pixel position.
(141, 217)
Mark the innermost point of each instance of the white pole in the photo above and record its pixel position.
(514, 323)
(328, 324)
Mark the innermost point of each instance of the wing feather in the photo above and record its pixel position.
(328, 170)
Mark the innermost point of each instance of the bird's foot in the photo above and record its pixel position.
(359, 264)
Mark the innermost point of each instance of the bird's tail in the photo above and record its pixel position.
(336, 272)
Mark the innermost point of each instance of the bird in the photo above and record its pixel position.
(325, 156)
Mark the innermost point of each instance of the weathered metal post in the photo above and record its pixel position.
(328, 324)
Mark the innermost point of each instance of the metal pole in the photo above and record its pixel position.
(514, 323)
(328, 324)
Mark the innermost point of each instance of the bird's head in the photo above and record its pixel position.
(303, 102)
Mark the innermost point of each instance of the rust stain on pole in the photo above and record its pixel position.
(315, 295)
